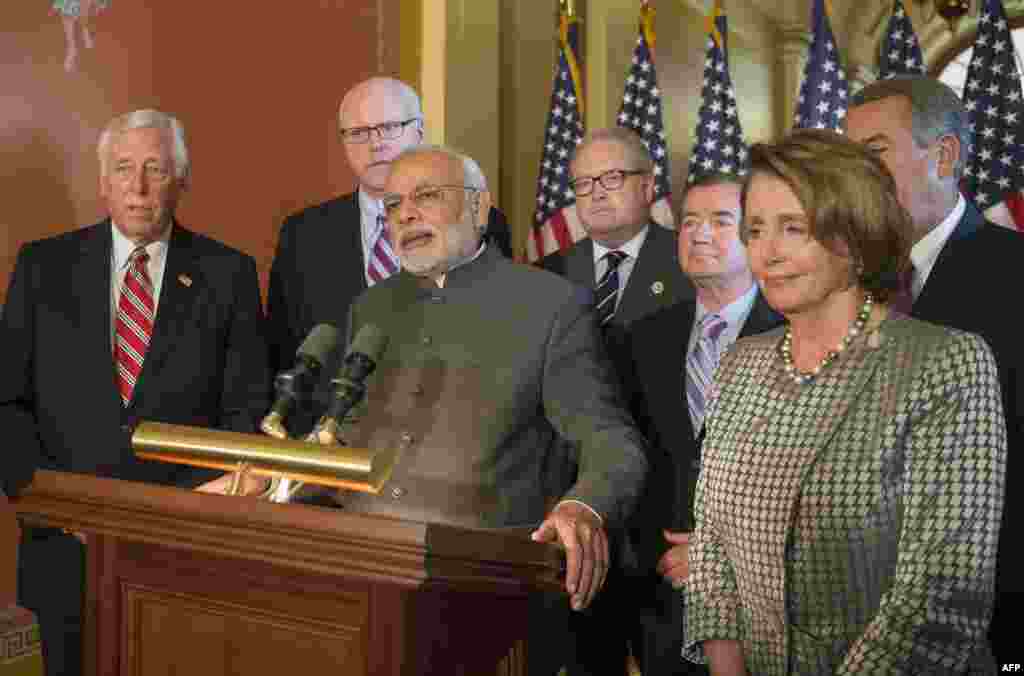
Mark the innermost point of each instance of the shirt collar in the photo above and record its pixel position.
(369, 205)
(926, 250)
(123, 247)
(733, 313)
(631, 248)
(444, 275)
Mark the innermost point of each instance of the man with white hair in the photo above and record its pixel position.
(329, 253)
(133, 318)
(488, 363)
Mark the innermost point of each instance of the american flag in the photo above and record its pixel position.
(720, 147)
(901, 52)
(555, 225)
(823, 93)
(992, 96)
(641, 112)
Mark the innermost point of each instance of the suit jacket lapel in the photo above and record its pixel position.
(945, 278)
(653, 264)
(345, 233)
(92, 286)
(676, 351)
(685, 455)
(761, 318)
(182, 280)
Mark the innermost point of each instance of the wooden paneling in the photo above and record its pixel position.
(189, 583)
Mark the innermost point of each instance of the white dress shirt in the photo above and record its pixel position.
(925, 252)
(369, 209)
(632, 251)
(735, 315)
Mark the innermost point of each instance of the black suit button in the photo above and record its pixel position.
(126, 428)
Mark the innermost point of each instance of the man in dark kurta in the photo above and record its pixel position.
(487, 363)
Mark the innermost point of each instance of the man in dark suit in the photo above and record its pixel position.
(663, 351)
(134, 318)
(330, 253)
(631, 263)
(614, 185)
(961, 264)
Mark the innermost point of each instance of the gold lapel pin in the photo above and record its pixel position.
(657, 288)
(185, 280)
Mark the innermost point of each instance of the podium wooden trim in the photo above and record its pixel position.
(9, 562)
(240, 585)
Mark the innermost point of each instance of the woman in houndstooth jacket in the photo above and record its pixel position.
(849, 502)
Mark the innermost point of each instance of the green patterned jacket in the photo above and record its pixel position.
(850, 525)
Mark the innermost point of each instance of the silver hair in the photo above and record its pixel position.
(405, 95)
(936, 111)
(472, 174)
(636, 151)
(146, 118)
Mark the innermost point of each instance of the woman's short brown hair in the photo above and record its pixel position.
(850, 199)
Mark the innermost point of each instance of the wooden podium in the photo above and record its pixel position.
(188, 583)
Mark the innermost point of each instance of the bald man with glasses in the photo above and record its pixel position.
(329, 253)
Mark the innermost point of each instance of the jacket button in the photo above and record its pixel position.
(407, 438)
(426, 340)
(397, 492)
(126, 428)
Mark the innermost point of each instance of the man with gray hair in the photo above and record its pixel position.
(631, 264)
(487, 364)
(329, 253)
(133, 318)
(919, 128)
(614, 184)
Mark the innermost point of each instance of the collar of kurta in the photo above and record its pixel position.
(459, 275)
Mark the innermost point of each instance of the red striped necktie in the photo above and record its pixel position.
(134, 326)
(382, 257)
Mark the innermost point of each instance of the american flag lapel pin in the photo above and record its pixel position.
(185, 280)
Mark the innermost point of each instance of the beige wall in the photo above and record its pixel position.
(258, 96)
(487, 69)
(256, 86)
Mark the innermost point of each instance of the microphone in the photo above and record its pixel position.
(367, 347)
(295, 383)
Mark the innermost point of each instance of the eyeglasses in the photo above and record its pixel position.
(613, 179)
(426, 198)
(388, 130)
(153, 173)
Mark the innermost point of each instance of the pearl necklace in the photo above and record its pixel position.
(786, 348)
